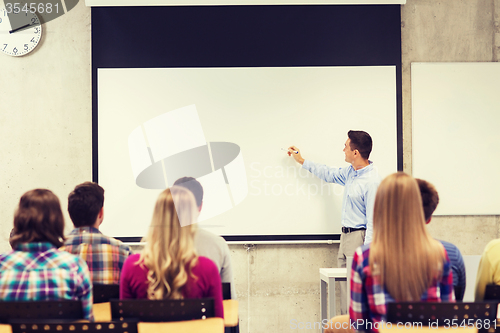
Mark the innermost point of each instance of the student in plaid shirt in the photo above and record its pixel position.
(35, 269)
(104, 255)
(403, 263)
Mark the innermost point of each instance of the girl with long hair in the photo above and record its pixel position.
(168, 266)
(403, 263)
(35, 269)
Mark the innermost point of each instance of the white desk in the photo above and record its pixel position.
(327, 287)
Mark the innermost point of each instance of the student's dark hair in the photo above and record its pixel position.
(430, 197)
(85, 203)
(38, 218)
(361, 141)
(194, 186)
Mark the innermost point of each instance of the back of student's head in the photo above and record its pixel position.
(361, 141)
(85, 203)
(38, 218)
(402, 251)
(430, 197)
(169, 253)
(194, 186)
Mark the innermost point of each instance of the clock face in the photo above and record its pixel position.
(22, 36)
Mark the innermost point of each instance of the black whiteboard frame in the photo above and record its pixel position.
(246, 36)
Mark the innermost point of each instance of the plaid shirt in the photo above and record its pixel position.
(39, 271)
(104, 255)
(369, 299)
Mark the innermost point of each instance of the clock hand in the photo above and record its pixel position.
(20, 28)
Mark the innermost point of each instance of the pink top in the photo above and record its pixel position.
(134, 282)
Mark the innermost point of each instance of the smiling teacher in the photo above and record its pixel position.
(361, 180)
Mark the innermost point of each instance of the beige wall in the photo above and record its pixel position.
(450, 31)
(45, 115)
(45, 128)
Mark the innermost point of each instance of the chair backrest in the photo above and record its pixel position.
(492, 292)
(40, 310)
(441, 313)
(162, 310)
(105, 292)
(113, 327)
(226, 290)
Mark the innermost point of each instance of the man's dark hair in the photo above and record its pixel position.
(194, 186)
(38, 218)
(361, 141)
(85, 203)
(430, 197)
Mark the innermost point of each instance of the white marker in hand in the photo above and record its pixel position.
(291, 151)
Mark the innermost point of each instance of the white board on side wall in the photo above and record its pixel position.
(456, 140)
(260, 110)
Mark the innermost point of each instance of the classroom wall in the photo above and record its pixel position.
(45, 129)
(45, 115)
(450, 31)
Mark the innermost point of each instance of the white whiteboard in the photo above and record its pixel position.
(261, 110)
(456, 114)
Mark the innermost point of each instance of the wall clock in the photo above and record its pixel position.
(23, 35)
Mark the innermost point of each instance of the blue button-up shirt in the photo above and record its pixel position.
(359, 193)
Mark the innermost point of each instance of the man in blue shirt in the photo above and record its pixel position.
(361, 181)
(430, 200)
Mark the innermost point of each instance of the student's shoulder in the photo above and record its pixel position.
(123, 247)
(207, 265)
(72, 239)
(67, 260)
(116, 243)
(362, 254)
(131, 263)
(8, 254)
(450, 248)
(493, 246)
(132, 259)
(206, 236)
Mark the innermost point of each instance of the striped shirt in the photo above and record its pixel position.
(369, 299)
(39, 271)
(104, 255)
(458, 268)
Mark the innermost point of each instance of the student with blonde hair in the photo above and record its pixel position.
(168, 267)
(403, 262)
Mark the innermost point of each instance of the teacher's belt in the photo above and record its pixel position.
(349, 230)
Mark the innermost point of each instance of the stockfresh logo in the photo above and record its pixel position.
(173, 145)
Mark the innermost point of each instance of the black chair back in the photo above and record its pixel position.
(29, 311)
(105, 292)
(226, 290)
(440, 313)
(162, 310)
(492, 292)
(112, 327)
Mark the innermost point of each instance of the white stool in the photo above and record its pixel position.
(327, 287)
(328, 277)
